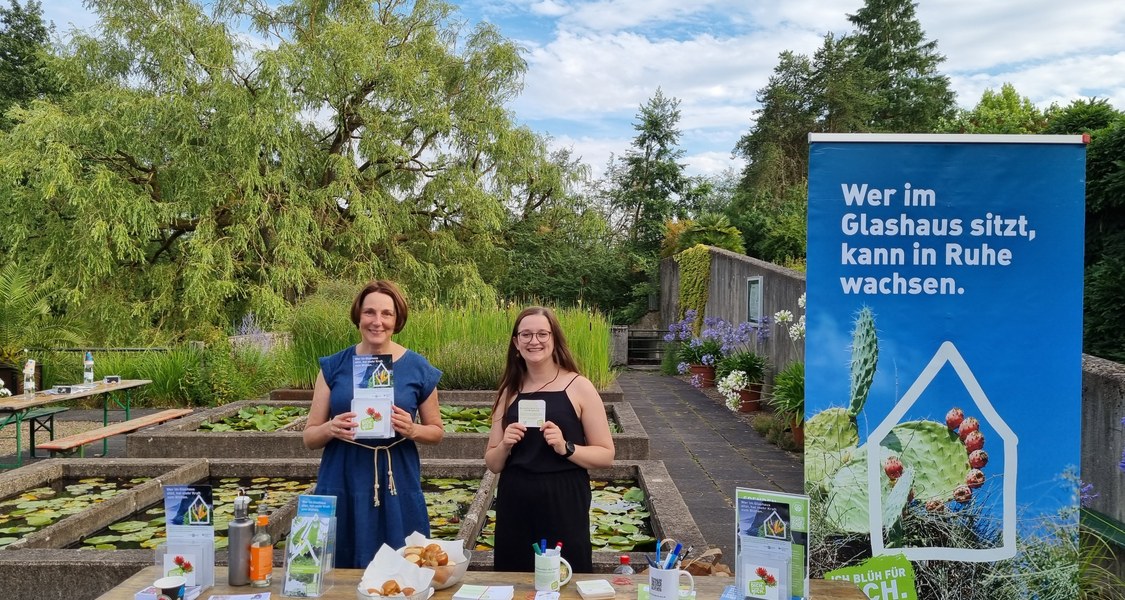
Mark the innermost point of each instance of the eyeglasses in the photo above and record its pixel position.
(525, 336)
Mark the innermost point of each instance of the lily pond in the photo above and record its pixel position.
(146, 528)
(37, 508)
(458, 419)
(619, 519)
(257, 418)
(447, 502)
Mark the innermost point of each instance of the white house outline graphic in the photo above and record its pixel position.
(947, 353)
(776, 518)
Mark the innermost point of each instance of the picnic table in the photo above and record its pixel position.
(14, 410)
(345, 582)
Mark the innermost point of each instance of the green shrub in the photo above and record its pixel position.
(788, 397)
(749, 362)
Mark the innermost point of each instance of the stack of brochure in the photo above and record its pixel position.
(595, 589)
(485, 592)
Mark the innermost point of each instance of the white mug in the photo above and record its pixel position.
(664, 584)
(548, 571)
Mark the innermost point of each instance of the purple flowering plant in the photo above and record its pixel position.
(717, 339)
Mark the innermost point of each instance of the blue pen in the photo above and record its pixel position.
(543, 545)
(658, 542)
(673, 555)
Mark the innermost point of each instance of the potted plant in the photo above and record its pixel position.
(735, 387)
(26, 322)
(701, 355)
(788, 399)
(752, 369)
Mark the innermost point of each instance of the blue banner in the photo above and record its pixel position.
(944, 337)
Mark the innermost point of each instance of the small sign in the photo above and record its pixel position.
(112, 379)
(533, 413)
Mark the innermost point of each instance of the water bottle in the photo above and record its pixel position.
(240, 534)
(261, 554)
(88, 369)
(29, 376)
(624, 568)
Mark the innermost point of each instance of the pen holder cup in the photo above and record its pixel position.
(549, 569)
(664, 584)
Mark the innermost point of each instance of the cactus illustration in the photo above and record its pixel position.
(929, 459)
(865, 357)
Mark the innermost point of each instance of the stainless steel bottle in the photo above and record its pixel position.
(239, 536)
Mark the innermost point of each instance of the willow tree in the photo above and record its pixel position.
(201, 169)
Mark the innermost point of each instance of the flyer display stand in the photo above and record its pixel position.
(310, 552)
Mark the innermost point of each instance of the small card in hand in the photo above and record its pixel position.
(533, 412)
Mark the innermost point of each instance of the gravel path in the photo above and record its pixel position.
(62, 429)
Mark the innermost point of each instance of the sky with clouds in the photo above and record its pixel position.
(593, 63)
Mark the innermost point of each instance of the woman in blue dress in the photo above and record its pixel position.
(377, 482)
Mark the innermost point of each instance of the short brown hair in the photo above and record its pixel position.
(382, 286)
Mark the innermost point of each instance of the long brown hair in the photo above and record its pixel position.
(515, 369)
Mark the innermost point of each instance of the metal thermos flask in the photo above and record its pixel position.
(239, 535)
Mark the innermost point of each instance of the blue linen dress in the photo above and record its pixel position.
(347, 471)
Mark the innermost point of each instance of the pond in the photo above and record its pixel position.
(261, 417)
(447, 500)
(34, 509)
(619, 519)
(145, 529)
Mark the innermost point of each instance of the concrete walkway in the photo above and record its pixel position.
(708, 451)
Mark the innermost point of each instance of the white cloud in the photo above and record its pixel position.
(549, 8)
(593, 63)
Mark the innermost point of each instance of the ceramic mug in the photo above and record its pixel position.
(664, 584)
(171, 588)
(548, 571)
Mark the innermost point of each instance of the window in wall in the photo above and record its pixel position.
(754, 300)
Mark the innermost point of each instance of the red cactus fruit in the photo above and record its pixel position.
(892, 466)
(761, 572)
(978, 459)
(954, 417)
(975, 478)
(974, 441)
(963, 494)
(968, 426)
(935, 505)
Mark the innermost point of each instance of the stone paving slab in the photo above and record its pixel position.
(708, 451)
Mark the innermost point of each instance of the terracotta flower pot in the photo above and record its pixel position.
(798, 430)
(706, 374)
(750, 399)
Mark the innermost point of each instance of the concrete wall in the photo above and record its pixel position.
(781, 288)
(1103, 438)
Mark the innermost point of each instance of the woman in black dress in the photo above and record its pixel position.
(544, 489)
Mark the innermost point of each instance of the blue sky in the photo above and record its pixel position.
(593, 63)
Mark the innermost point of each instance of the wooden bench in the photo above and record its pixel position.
(78, 441)
(42, 419)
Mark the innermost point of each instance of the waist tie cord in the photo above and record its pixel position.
(390, 470)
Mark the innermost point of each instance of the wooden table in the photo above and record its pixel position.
(346, 580)
(13, 408)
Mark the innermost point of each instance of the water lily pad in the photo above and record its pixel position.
(21, 529)
(101, 539)
(128, 526)
(40, 521)
(4, 541)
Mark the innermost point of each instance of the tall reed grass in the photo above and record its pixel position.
(468, 344)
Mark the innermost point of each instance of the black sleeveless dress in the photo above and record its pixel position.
(541, 494)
